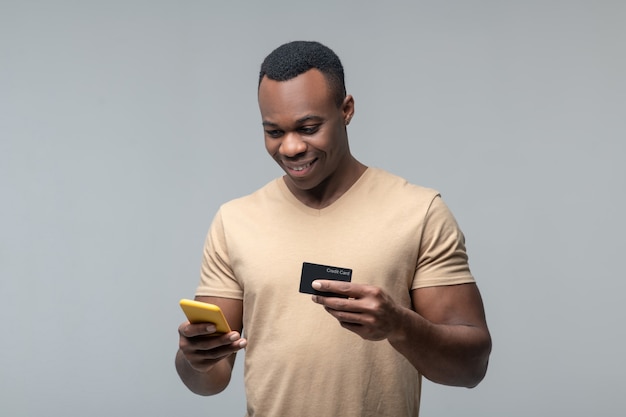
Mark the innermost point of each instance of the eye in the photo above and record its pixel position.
(274, 133)
(309, 130)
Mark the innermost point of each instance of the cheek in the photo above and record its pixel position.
(271, 146)
(336, 145)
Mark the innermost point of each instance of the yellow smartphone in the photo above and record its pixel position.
(199, 312)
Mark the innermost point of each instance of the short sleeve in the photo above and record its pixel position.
(442, 258)
(216, 276)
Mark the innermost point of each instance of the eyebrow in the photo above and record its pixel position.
(307, 118)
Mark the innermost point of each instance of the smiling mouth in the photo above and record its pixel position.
(300, 168)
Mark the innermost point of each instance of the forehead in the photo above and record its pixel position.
(305, 95)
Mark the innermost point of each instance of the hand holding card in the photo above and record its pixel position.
(311, 272)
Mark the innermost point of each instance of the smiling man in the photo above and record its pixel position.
(305, 133)
(354, 348)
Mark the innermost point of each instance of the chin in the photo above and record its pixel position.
(304, 185)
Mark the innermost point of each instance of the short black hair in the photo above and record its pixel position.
(297, 57)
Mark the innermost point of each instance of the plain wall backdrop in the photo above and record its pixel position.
(125, 124)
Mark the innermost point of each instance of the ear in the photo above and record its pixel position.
(347, 109)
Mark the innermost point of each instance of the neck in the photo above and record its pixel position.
(332, 188)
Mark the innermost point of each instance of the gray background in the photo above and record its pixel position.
(124, 125)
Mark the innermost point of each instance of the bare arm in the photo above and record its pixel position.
(205, 360)
(445, 338)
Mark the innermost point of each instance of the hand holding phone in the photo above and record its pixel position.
(199, 312)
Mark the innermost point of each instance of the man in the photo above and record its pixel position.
(411, 309)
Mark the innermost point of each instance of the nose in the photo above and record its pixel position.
(292, 145)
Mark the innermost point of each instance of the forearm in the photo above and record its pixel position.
(211, 382)
(449, 354)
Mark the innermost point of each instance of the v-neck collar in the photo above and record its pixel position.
(332, 207)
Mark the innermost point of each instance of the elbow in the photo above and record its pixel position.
(469, 371)
(475, 377)
(477, 369)
(468, 376)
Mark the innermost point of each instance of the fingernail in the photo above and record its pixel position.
(314, 298)
(234, 337)
(316, 285)
(211, 328)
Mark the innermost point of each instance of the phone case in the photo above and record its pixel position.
(199, 312)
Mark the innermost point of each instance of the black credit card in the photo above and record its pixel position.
(311, 272)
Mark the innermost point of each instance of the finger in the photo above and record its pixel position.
(215, 340)
(339, 287)
(212, 347)
(339, 304)
(197, 329)
(199, 359)
(347, 316)
(216, 352)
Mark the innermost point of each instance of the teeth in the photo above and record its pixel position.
(300, 168)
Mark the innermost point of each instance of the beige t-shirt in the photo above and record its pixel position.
(299, 360)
